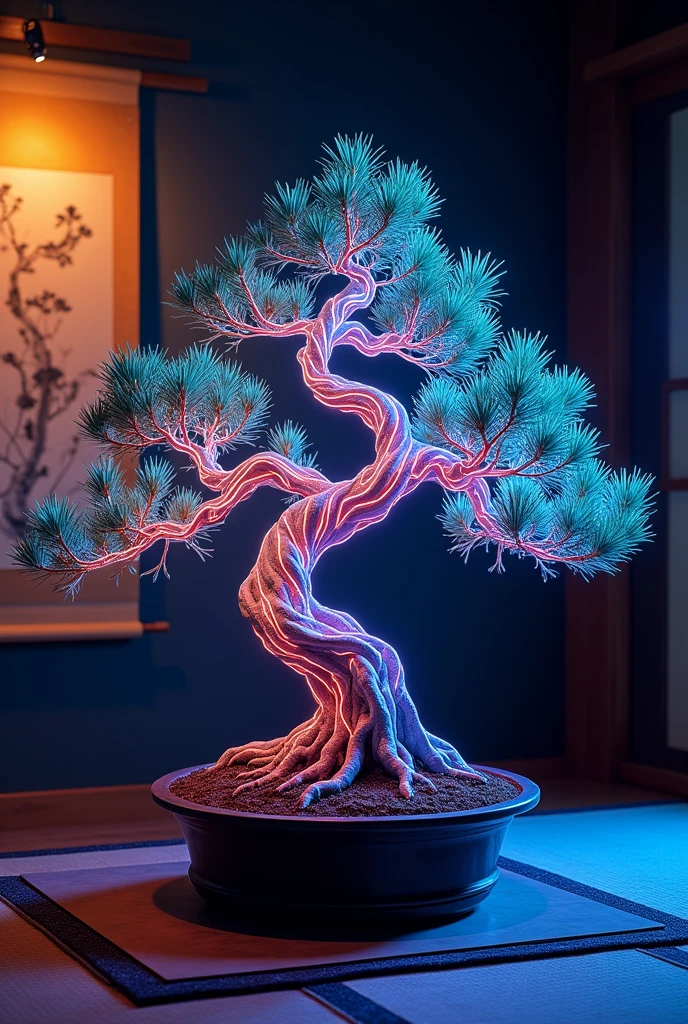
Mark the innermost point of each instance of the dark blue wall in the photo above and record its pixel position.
(475, 91)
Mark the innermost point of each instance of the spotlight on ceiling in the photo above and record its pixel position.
(33, 36)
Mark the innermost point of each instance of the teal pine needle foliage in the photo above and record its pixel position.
(492, 401)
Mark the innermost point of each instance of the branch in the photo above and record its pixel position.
(478, 494)
(230, 327)
(364, 340)
(358, 294)
(351, 252)
(265, 469)
(370, 344)
(432, 464)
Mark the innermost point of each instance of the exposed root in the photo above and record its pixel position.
(326, 757)
(264, 751)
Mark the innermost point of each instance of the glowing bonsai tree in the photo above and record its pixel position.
(493, 425)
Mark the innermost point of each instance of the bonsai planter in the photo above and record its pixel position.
(388, 867)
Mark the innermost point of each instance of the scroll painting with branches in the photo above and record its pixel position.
(494, 425)
(55, 328)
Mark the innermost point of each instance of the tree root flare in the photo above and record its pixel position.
(326, 756)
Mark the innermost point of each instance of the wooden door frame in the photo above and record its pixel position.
(604, 86)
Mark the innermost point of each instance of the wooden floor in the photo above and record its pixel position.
(557, 794)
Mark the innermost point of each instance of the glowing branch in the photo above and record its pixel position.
(263, 469)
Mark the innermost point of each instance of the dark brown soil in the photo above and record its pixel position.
(372, 795)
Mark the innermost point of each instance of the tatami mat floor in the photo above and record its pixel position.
(636, 852)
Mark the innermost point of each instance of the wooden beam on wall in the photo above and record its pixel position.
(173, 83)
(100, 40)
(597, 613)
(660, 82)
(105, 40)
(656, 51)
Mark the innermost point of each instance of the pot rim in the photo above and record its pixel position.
(524, 801)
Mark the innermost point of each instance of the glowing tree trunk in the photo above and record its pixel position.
(364, 712)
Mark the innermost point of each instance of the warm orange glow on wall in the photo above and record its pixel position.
(30, 143)
(75, 135)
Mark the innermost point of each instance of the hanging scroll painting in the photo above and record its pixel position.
(69, 239)
(55, 325)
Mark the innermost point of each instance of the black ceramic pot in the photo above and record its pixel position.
(422, 866)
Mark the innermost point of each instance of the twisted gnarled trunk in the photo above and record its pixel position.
(364, 714)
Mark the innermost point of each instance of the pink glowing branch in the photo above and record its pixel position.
(479, 496)
(231, 326)
(265, 469)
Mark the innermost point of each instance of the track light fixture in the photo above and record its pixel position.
(33, 37)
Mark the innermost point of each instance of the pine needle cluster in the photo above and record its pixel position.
(146, 399)
(359, 211)
(520, 423)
